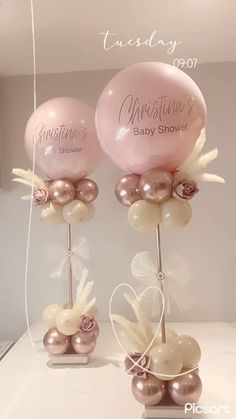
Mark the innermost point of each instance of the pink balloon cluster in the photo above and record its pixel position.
(154, 197)
(168, 371)
(80, 340)
(65, 201)
(181, 390)
(148, 118)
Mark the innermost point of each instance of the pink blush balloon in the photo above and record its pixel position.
(154, 115)
(66, 144)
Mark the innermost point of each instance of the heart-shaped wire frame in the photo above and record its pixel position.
(139, 299)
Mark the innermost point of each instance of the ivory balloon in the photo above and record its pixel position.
(83, 342)
(127, 189)
(189, 349)
(185, 389)
(175, 213)
(86, 190)
(50, 314)
(170, 335)
(149, 391)
(156, 185)
(144, 216)
(56, 343)
(62, 191)
(76, 212)
(51, 214)
(68, 321)
(166, 359)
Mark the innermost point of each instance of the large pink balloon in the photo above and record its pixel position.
(150, 116)
(66, 143)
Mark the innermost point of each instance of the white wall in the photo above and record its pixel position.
(208, 243)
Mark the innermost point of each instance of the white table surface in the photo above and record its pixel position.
(30, 389)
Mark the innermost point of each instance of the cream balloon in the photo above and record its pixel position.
(166, 359)
(143, 215)
(175, 213)
(76, 212)
(189, 349)
(68, 321)
(51, 214)
(170, 335)
(91, 212)
(50, 314)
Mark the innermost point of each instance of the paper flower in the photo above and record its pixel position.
(87, 323)
(140, 361)
(40, 196)
(185, 189)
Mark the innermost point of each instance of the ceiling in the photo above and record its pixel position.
(68, 39)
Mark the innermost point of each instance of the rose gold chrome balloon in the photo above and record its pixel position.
(55, 342)
(127, 189)
(83, 342)
(185, 389)
(86, 190)
(61, 191)
(149, 391)
(156, 185)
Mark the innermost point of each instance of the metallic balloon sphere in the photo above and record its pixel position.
(61, 191)
(56, 343)
(185, 389)
(83, 342)
(86, 190)
(156, 185)
(127, 189)
(148, 391)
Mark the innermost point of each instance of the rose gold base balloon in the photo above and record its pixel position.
(56, 343)
(156, 186)
(62, 191)
(83, 342)
(149, 391)
(185, 389)
(127, 189)
(86, 190)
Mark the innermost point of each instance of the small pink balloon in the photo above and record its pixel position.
(86, 190)
(66, 143)
(185, 389)
(148, 391)
(61, 191)
(56, 343)
(154, 115)
(127, 189)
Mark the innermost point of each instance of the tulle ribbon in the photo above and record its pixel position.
(175, 278)
(79, 251)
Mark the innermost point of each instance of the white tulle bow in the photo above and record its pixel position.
(176, 276)
(79, 251)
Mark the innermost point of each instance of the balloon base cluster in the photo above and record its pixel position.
(69, 332)
(156, 197)
(168, 374)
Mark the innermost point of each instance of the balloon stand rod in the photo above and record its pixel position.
(160, 277)
(70, 276)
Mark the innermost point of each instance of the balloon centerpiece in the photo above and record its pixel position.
(61, 136)
(151, 121)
